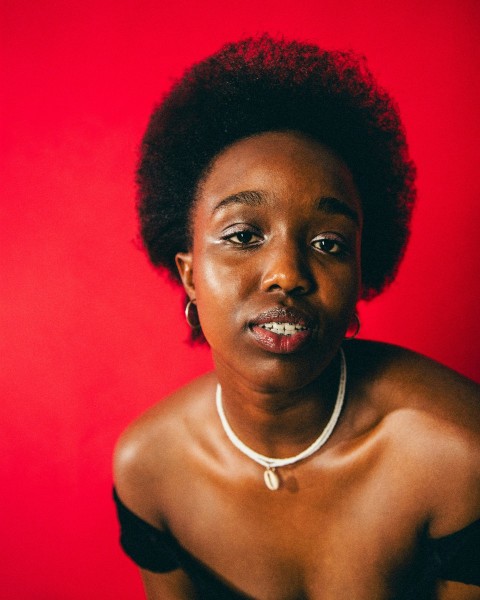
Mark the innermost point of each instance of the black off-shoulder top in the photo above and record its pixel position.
(455, 557)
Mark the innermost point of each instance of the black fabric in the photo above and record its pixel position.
(149, 547)
(455, 557)
(458, 555)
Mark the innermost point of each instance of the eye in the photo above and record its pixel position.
(244, 237)
(329, 245)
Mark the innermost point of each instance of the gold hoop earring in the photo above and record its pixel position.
(357, 328)
(196, 325)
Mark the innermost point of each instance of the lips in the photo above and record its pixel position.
(282, 330)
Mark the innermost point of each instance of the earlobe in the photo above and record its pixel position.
(184, 262)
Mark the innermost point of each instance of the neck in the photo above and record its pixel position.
(280, 423)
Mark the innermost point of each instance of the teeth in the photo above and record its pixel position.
(283, 328)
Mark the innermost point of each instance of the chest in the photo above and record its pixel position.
(327, 533)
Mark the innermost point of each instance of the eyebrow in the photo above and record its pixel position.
(250, 198)
(334, 206)
(327, 204)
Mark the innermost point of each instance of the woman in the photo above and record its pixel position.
(275, 185)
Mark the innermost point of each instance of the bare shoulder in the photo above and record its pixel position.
(431, 414)
(406, 380)
(148, 450)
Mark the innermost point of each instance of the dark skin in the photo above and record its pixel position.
(403, 457)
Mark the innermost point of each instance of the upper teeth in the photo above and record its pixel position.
(283, 328)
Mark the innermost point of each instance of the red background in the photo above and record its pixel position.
(90, 334)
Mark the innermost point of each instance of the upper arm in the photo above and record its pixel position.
(175, 585)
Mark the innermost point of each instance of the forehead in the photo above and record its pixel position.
(281, 164)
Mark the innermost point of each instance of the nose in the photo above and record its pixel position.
(286, 270)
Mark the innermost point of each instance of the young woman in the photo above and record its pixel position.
(275, 185)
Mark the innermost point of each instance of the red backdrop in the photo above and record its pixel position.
(90, 334)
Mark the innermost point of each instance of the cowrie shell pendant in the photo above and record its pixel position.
(272, 481)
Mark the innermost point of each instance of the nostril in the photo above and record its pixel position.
(300, 290)
(291, 290)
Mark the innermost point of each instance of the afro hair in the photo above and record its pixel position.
(264, 84)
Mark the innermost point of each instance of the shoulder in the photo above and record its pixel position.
(430, 416)
(151, 448)
(408, 380)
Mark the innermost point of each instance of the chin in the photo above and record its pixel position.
(286, 372)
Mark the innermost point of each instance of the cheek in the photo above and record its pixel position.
(342, 282)
(355, 277)
(348, 279)
(220, 290)
(214, 280)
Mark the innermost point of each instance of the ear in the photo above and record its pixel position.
(184, 262)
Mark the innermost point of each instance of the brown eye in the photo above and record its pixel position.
(328, 245)
(243, 238)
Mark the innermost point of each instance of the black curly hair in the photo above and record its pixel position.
(264, 84)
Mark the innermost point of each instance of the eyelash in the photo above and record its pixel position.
(341, 247)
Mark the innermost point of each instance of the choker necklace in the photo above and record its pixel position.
(272, 480)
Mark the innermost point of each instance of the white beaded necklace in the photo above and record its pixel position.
(272, 480)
